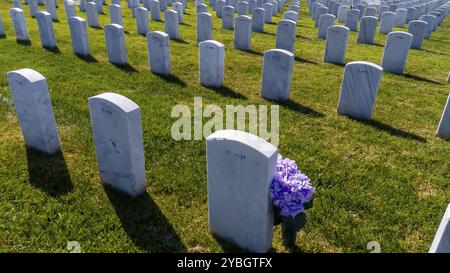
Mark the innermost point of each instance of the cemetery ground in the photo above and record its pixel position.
(387, 180)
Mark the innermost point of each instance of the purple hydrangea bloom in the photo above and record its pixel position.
(290, 188)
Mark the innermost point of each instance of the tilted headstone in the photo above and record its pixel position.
(78, 35)
(417, 28)
(441, 241)
(117, 129)
(69, 8)
(286, 30)
(243, 32)
(142, 21)
(204, 27)
(352, 19)
(336, 44)
(46, 32)
(212, 60)
(325, 21)
(359, 90)
(237, 162)
(158, 52)
(267, 12)
(396, 51)
(400, 17)
(115, 44)
(92, 15)
(33, 7)
(277, 74)
(228, 17)
(242, 8)
(387, 22)
(171, 24)
(430, 19)
(219, 8)
(19, 24)
(291, 15)
(258, 18)
(34, 109)
(342, 13)
(50, 7)
(115, 13)
(367, 30)
(154, 10)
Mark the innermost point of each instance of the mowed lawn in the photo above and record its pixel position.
(387, 180)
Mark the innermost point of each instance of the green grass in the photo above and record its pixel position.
(386, 181)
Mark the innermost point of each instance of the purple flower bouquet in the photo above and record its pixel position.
(291, 193)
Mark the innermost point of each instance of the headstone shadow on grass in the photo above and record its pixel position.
(171, 79)
(297, 107)
(48, 172)
(87, 58)
(227, 92)
(144, 222)
(391, 130)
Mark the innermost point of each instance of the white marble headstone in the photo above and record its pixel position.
(116, 125)
(396, 51)
(219, 8)
(352, 19)
(115, 44)
(92, 15)
(443, 130)
(277, 74)
(336, 44)
(242, 32)
(141, 16)
(342, 13)
(228, 17)
(367, 30)
(286, 30)
(267, 14)
(212, 61)
(34, 108)
(242, 8)
(178, 7)
(50, 7)
(204, 26)
(387, 22)
(33, 7)
(171, 24)
(78, 35)
(258, 18)
(441, 241)
(20, 27)
(69, 7)
(325, 21)
(417, 28)
(154, 10)
(359, 90)
(240, 169)
(46, 32)
(115, 13)
(158, 52)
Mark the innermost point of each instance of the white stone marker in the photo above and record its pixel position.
(396, 51)
(171, 24)
(243, 32)
(219, 7)
(400, 17)
(291, 15)
(33, 7)
(115, 44)
(387, 22)
(146, 4)
(163, 5)
(178, 7)
(204, 27)
(212, 60)
(441, 241)
(50, 7)
(228, 17)
(367, 30)
(34, 109)
(430, 19)
(46, 32)
(258, 17)
(240, 168)
(69, 7)
(371, 11)
(411, 14)
(417, 28)
(115, 13)
(319, 12)
(154, 10)
(141, 16)
(242, 8)
(134, 4)
(336, 44)
(267, 12)
(352, 19)
(286, 35)
(443, 130)
(277, 74)
(2, 28)
(92, 15)
(99, 5)
(83, 5)
(158, 52)
(359, 90)
(342, 13)
(19, 24)
(325, 21)
(78, 36)
(116, 125)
